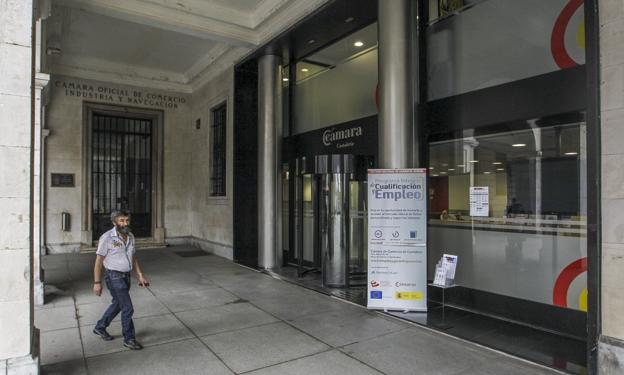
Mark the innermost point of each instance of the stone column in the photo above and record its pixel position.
(18, 353)
(41, 82)
(396, 113)
(611, 65)
(269, 158)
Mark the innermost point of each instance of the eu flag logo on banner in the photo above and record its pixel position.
(412, 234)
(375, 294)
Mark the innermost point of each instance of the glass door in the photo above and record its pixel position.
(358, 233)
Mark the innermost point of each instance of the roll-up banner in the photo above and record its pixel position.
(397, 239)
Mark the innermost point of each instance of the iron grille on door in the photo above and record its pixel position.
(122, 172)
(218, 150)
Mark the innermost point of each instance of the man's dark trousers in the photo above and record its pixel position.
(118, 283)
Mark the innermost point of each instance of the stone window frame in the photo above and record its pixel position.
(157, 118)
(213, 145)
(218, 100)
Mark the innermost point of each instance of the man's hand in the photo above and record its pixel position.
(143, 281)
(97, 275)
(97, 289)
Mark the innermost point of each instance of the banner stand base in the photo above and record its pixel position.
(397, 309)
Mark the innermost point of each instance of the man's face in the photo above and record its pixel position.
(121, 223)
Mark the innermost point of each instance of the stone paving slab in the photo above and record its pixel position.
(57, 318)
(291, 306)
(258, 347)
(179, 284)
(417, 350)
(338, 329)
(197, 299)
(60, 346)
(57, 295)
(74, 367)
(150, 331)
(229, 317)
(326, 363)
(179, 358)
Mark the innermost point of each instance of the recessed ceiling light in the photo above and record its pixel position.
(304, 70)
(487, 172)
(461, 165)
(431, 168)
(445, 165)
(497, 163)
(311, 41)
(473, 161)
(285, 79)
(435, 175)
(571, 153)
(518, 145)
(358, 44)
(500, 169)
(442, 172)
(451, 169)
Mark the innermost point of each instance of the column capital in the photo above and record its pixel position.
(41, 80)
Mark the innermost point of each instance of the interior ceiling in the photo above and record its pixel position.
(239, 5)
(171, 45)
(449, 157)
(87, 35)
(337, 53)
(345, 48)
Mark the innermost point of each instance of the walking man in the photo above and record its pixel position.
(116, 253)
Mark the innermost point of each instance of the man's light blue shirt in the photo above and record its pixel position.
(118, 255)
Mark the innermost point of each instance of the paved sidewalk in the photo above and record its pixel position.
(207, 315)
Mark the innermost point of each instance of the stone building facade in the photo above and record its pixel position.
(44, 119)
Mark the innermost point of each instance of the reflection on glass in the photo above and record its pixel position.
(308, 219)
(537, 218)
(346, 70)
(477, 44)
(285, 101)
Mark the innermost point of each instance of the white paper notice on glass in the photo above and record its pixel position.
(479, 201)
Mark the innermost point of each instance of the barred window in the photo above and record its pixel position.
(218, 130)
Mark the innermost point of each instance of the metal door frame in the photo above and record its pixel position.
(157, 119)
(294, 255)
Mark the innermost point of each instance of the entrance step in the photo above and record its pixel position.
(139, 244)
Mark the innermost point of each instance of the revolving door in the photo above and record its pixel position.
(330, 218)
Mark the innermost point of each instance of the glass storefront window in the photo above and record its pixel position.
(479, 44)
(537, 220)
(338, 83)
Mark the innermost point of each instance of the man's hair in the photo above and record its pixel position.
(119, 213)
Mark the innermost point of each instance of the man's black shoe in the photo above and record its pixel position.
(103, 334)
(133, 345)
